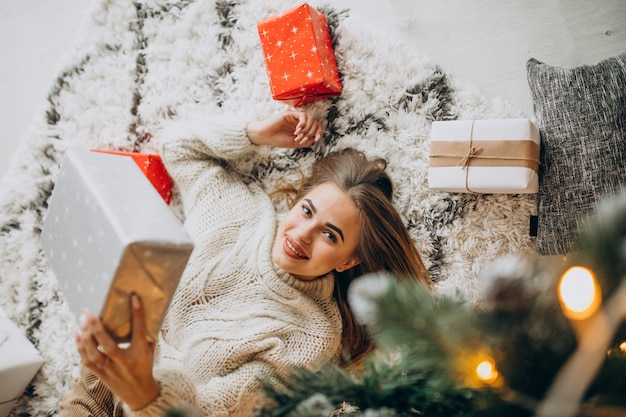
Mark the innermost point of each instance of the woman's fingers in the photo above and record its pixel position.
(288, 129)
(90, 356)
(140, 334)
(93, 342)
(301, 116)
(105, 343)
(318, 132)
(307, 130)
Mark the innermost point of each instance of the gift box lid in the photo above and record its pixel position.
(108, 233)
(19, 360)
(153, 168)
(485, 129)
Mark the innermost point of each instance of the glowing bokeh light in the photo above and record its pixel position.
(579, 293)
(486, 371)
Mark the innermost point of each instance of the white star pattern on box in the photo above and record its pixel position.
(297, 46)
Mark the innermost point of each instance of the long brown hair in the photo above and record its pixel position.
(384, 243)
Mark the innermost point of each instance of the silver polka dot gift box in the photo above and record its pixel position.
(108, 234)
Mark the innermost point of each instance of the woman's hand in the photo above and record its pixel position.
(127, 372)
(290, 129)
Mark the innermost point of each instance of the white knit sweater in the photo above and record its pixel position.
(236, 316)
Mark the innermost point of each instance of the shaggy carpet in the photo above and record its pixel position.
(139, 63)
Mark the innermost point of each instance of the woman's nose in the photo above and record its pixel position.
(304, 232)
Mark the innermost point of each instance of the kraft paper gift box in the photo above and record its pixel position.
(299, 56)
(19, 362)
(484, 156)
(108, 233)
(153, 168)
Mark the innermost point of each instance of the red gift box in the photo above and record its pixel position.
(154, 169)
(299, 56)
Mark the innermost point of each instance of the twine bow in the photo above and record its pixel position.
(471, 153)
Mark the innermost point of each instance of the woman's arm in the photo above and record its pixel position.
(207, 141)
(114, 377)
(286, 130)
(88, 397)
(195, 153)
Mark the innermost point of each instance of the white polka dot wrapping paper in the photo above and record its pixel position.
(108, 233)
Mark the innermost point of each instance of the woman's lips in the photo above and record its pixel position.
(292, 249)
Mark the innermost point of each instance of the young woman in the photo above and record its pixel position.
(256, 299)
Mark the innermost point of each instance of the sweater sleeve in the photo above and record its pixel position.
(90, 397)
(195, 153)
(177, 393)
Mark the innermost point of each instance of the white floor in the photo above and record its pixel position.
(482, 42)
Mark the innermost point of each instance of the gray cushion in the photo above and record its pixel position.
(581, 115)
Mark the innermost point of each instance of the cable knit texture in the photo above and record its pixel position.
(236, 318)
(135, 64)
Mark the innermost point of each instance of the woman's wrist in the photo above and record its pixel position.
(146, 397)
(254, 134)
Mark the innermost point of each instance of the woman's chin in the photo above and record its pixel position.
(282, 260)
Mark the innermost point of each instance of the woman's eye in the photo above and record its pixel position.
(331, 236)
(306, 210)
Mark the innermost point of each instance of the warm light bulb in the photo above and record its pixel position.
(622, 347)
(486, 371)
(579, 293)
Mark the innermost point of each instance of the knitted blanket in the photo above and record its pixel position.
(139, 63)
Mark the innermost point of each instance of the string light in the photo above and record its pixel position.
(486, 371)
(579, 293)
(622, 347)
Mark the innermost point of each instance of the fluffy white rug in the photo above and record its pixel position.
(139, 63)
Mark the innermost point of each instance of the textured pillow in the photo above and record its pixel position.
(581, 115)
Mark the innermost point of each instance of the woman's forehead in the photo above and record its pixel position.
(332, 202)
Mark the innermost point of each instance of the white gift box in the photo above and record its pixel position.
(19, 362)
(484, 156)
(108, 233)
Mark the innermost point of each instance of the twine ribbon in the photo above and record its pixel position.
(472, 152)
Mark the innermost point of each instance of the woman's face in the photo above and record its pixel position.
(319, 234)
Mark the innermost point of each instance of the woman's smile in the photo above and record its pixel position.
(292, 249)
